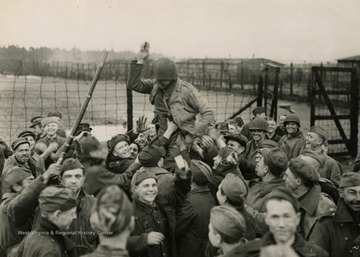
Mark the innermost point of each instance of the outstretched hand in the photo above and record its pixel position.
(144, 54)
(141, 124)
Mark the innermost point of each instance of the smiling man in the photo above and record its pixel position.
(340, 233)
(293, 141)
(154, 233)
(283, 217)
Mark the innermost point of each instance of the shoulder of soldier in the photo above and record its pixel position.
(326, 217)
(186, 85)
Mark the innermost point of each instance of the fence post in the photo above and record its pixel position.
(221, 73)
(129, 98)
(291, 79)
(260, 91)
(354, 109)
(204, 74)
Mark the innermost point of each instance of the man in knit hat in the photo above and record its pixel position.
(227, 230)
(173, 99)
(339, 232)
(19, 204)
(270, 168)
(57, 207)
(302, 179)
(258, 112)
(330, 169)
(283, 216)
(154, 233)
(192, 218)
(47, 146)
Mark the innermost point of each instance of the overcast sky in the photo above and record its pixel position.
(283, 30)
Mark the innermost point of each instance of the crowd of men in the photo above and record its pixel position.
(181, 186)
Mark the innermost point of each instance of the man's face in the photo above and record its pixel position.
(291, 181)
(312, 140)
(31, 141)
(282, 219)
(235, 146)
(164, 83)
(232, 129)
(213, 237)
(261, 169)
(261, 115)
(122, 149)
(38, 128)
(134, 150)
(147, 190)
(22, 153)
(291, 127)
(63, 219)
(141, 140)
(258, 135)
(281, 120)
(51, 128)
(151, 130)
(272, 126)
(220, 197)
(351, 196)
(73, 179)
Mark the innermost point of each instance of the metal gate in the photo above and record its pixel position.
(334, 106)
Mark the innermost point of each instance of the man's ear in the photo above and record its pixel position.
(57, 213)
(298, 181)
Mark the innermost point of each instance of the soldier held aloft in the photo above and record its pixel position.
(339, 232)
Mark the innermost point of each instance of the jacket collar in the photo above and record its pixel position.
(342, 213)
(267, 187)
(310, 201)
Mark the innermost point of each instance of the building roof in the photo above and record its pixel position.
(355, 58)
(235, 60)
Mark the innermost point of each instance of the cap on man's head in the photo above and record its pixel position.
(140, 176)
(239, 121)
(112, 212)
(150, 155)
(283, 193)
(350, 179)
(54, 114)
(235, 188)
(15, 175)
(115, 140)
(36, 121)
(276, 160)
(202, 173)
(267, 143)
(228, 221)
(320, 131)
(303, 170)
(70, 164)
(83, 127)
(48, 120)
(19, 141)
(319, 157)
(258, 110)
(54, 198)
(241, 139)
(26, 133)
(89, 147)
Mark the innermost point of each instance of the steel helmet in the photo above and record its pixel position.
(292, 118)
(259, 124)
(165, 69)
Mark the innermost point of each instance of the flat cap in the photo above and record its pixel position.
(235, 188)
(303, 170)
(150, 155)
(26, 133)
(241, 139)
(350, 179)
(320, 157)
(48, 120)
(36, 120)
(15, 175)
(19, 141)
(320, 131)
(258, 110)
(276, 160)
(54, 114)
(202, 173)
(284, 193)
(70, 164)
(228, 221)
(54, 198)
(140, 176)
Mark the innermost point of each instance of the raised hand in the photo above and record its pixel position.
(141, 124)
